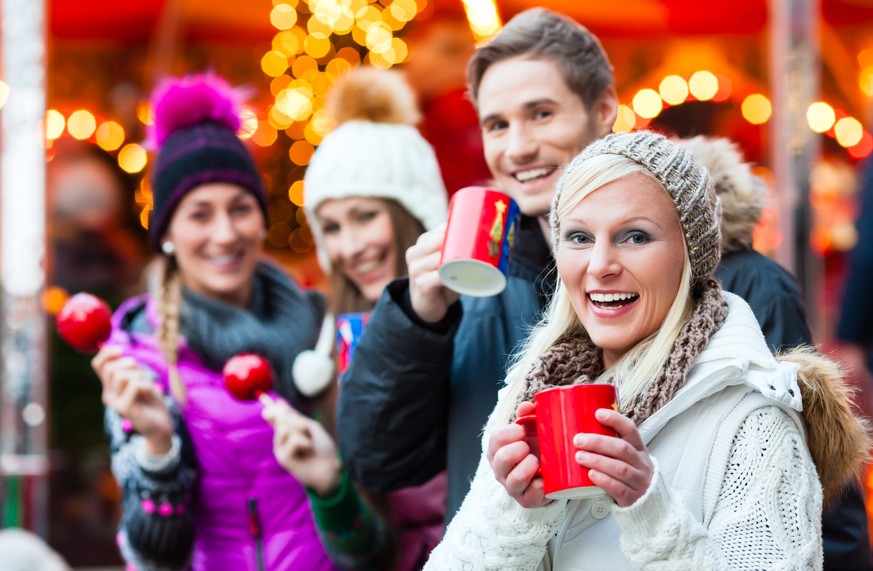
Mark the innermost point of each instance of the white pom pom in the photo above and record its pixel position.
(313, 372)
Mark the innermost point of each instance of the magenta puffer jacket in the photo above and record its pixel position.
(244, 506)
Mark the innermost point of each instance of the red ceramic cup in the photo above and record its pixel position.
(480, 234)
(562, 413)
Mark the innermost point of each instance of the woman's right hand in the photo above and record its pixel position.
(430, 298)
(303, 447)
(513, 464)
(129, 390)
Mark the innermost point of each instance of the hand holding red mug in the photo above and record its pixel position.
(430, 298)
(514, 465)
(621, 466)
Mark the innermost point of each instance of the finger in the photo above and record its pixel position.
(617, 470)
(521, 476)
(624, 426)
(507, 458)
(525, 408)
(609, 446)
(424, 266)
(503, 436)
(620, 492)
(433, 239)
(430, 283)
(299, 444)
(105, 355)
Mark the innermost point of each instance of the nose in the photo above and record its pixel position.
(224, 231)
(604, 261)
(522, 147)
(351, 244)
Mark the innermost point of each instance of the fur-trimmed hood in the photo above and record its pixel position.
(742, 193)
(838, 440)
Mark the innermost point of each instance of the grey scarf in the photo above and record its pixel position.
(280, 322)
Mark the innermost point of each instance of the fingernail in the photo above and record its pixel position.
(583, 457)
(601, 414)
(580, 440)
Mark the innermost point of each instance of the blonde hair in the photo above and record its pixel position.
(168, 300)
(634, 372)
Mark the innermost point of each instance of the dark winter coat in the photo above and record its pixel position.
(416, 396)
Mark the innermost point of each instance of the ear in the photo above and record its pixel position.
(605, 110)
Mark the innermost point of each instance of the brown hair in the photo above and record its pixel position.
(541, 34)
(345, 296)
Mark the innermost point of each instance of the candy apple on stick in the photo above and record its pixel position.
(248, 376)
(84, 322)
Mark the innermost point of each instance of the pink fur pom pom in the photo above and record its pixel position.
(183, 102)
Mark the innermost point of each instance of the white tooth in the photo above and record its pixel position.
(532, 174)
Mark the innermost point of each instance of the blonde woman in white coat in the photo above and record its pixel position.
(725, 451)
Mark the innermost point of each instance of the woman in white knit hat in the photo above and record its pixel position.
(725, 452)
(372, 187)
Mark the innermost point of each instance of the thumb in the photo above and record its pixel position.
(525, 409)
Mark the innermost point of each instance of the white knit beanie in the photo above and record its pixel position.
(375, 152)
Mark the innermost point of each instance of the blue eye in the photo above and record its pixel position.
(636, 237)
(577, 238)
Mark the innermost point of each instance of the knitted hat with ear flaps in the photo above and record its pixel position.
(687, 182)
(195, 136)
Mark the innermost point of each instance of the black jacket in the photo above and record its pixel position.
(775, 298)
(416, 396)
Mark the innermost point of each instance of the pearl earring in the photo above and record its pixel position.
(168, 248)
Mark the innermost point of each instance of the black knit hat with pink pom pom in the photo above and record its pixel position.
(195, 135)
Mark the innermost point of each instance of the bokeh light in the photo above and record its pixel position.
(703, 85)
(295, 192)
(673, 89)
(109, 135)
(132, 158)
(647, 103)
(624, 120)
(756, 109)
(54, 124)
(283, 16)
(274, 63)
(848, 131)
(301, 152)
(81, 124)
(820, 116)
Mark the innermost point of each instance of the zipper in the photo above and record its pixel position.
(255, 530)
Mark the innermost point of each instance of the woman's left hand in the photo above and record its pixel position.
(621, 466)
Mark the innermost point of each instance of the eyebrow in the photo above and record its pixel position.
(623, 222)
(526, 105)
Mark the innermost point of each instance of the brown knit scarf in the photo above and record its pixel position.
(576, 360)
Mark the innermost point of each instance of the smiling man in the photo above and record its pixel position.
(427, 370)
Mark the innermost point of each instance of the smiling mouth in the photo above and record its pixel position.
(612, 300)
(533, 174)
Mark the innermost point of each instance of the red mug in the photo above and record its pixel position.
(480, 234)
(561, 413)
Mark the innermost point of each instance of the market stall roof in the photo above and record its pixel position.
(111, 20)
